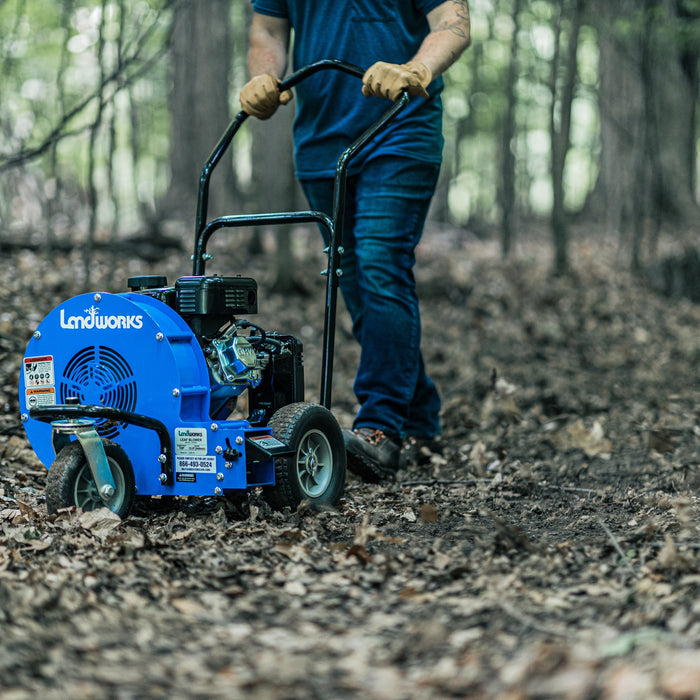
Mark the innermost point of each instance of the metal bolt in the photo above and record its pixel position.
(218, 491)
(339, 272)
(162, 459)
(107, 491)
(219, 477)
(239, 440)
(37, 334)
(219, 450)
(176, 392)
(229, 465)
(341, 250)
(162, 478)
(25, 417)
(206, 256)
(159, 337)
(214, 427)
(98, 298)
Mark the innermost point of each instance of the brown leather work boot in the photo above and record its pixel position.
(372, 454)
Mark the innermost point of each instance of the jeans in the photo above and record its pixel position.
(386, 206)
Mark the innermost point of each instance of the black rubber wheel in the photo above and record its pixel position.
(316, 471)
(70, 482)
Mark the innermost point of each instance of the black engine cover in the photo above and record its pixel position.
(206, 303)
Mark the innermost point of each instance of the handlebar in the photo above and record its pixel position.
(202, 229)
(333, 224)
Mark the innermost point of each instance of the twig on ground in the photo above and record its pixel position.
(616, 544)
(528, 621)
(438, 482)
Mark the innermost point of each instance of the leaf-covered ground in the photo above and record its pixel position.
(552, 550)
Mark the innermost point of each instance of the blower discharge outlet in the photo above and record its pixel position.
(138, 393)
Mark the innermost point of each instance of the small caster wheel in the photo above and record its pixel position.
(70, 482)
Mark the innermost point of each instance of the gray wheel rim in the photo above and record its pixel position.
(314, 463)
(86, 496)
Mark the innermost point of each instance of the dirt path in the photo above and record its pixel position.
(552, 550)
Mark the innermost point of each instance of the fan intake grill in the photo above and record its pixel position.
(102, 376)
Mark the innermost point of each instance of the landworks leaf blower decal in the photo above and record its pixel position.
(191, 454)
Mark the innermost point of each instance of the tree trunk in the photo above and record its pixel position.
(274, 186)
(647, 97)
(508, 155)
(199, 105)
(560, 130)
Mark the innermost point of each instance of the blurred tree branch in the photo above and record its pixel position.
(117, 78)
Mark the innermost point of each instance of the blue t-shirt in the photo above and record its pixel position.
(331, 110)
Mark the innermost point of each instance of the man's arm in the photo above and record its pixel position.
(269, 41)
(267, 60)
(450, 35)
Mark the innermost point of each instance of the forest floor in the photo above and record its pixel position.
(551, 551)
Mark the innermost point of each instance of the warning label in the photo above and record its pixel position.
(267, 442)
(42, 396)
(38, 371)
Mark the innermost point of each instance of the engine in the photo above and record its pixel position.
(267, 364)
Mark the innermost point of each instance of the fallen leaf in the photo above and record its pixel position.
(100, 522)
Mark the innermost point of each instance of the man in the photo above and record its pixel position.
(408, 44)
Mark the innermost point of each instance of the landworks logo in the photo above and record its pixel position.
(94, 320)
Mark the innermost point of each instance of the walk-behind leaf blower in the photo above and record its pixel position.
(132, 393)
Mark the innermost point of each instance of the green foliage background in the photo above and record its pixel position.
(82, 73)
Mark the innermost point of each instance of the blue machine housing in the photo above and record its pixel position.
(134, 353)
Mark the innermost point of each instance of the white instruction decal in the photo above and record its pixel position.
(191, 441)
(38, 371)
(197, 465)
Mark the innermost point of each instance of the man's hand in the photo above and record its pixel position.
(391, 79)
(260, 96)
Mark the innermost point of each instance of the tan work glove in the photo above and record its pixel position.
(260, 96)
(391, 79)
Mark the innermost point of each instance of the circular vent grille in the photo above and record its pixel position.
(101, 376)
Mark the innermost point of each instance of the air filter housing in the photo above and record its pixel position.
(209, 302)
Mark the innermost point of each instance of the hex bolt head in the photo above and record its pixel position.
(219, 450)
(219, 477)
(25, 417)
(176, 392)
(162, 478)
(159, 337)
(239, 440)
(218, 491)
(107, 491)
(97, 297)
(229, 465)
(214, 427)
(37, 334)
(162, 458)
